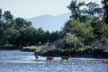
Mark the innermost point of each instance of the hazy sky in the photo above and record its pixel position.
(32, 8)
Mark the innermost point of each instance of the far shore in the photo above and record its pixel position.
(57, 53)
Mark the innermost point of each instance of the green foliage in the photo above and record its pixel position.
(19, 32)
(22, 23)
(0, 13)
(74, 7)
(105, 7)
(72, 41)
(82, 30)
(94, 10)
(86, 23)
(104, 31)
(8, 17)
(83, 11)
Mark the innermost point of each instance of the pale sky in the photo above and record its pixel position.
(33, 8)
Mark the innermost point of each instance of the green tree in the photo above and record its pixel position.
(74, 7)
(72, 41)
(82, 30)
(105, 7)
(0, 14)
(8, 17)
(22, 23)
(93, 9)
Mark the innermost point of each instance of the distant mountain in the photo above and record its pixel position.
(49, 22)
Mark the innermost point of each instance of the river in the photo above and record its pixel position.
(17, 61)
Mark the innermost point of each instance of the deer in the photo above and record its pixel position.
(49, 59)
(36, 55)
(65, 56)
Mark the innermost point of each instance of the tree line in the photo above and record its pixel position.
(19, 32)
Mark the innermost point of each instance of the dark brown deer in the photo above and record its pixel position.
(64, 58)
(66, 55)
(36, 55)
(49, 59)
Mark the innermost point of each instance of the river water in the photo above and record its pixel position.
(17, 61)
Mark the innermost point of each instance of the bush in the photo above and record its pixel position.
(54, 53)
(100, 53)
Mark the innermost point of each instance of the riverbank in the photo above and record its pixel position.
(12, 47)
(9, 47)
(84, 53)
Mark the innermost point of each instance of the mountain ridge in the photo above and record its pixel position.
(50, 22)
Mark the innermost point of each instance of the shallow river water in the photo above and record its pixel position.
(17, 61)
